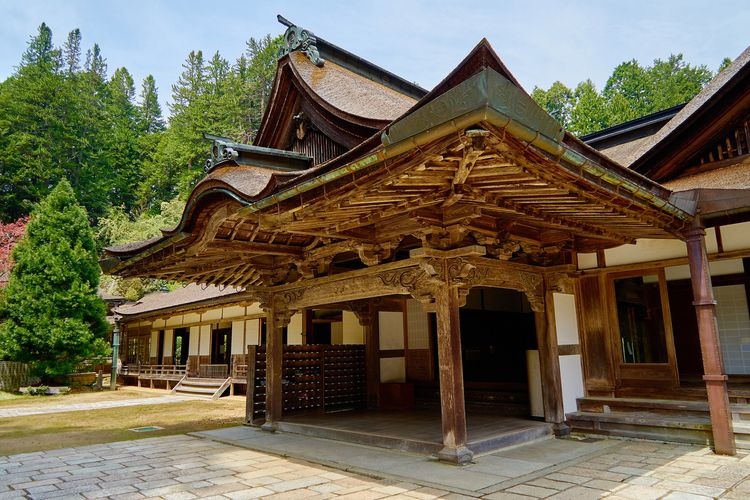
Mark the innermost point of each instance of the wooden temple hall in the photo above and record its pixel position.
(506, 279)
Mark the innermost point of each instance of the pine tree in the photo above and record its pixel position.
(72, 52)
(31, 121)
(149, 107)
(54, 317)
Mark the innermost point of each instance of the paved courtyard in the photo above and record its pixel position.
(22, 411)
(209, 466)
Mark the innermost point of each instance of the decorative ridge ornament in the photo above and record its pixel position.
(296, 38)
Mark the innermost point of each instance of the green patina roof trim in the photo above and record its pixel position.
(224, 149)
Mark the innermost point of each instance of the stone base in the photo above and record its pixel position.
(460, 455)
(269, 427)
(561, 430)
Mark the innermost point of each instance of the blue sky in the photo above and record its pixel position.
(540, 41)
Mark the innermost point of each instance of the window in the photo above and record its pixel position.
(640, 319)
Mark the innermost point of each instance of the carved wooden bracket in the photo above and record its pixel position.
(559, 282)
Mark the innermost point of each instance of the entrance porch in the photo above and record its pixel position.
(416, 430)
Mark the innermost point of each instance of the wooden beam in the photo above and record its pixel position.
(245, 247)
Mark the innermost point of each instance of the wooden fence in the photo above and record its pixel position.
(314, 377)
(13, 375)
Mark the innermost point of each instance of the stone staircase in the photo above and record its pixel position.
(211, 388)
(683, 421)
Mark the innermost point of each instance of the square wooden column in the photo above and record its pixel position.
(278, 318)
(452, 406)
(549, 363)
(708, 332)
(367, 315)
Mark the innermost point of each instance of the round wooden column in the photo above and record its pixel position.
(713, 365)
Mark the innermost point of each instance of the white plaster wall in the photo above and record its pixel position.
(294, 330)
(233, 312)
(353, 332)
(211, 315)
(238, 337)
(254, 308)
(391, 326)
(571, 375)
(393, 370)
(194, 338)
(253, 331)
(154, 345)
(168, 341)
(337, 332)
(417, 323)
(717, 268)
(587, 260)
(190, 318)
(159, 324)
(645, 250)
(205, 345)
(174, 320)
(736, 236)
(711, 244)
(566, 321)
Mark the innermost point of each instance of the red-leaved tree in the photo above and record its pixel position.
(10, 234)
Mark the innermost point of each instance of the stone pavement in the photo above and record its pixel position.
(185, 467)
(40, 410)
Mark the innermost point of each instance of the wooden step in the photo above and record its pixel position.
(644, 425)
(207, 387)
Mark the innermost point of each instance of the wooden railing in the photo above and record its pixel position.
(327, 377)
(161, 371)
(239, 371)
(213, 371)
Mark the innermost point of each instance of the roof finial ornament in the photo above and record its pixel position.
(296, 38)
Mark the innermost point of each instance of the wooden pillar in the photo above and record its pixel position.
(549, 363)
(367, 316)
(708, 332)
(278, 318)
(452, 407)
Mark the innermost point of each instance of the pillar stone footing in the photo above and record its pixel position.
(269, 427)
(561, 430)
(459, 456)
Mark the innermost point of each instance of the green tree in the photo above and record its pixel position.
(149, 107)
(118, 228)
(31, 125)
(632, 91)
(557, 100)
(54, 317)
(589, 112)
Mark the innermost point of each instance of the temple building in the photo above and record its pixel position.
(452, 272)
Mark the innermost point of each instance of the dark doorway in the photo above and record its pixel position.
(497, 328)
(687, 343)
(180, 346)
(221, 346)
